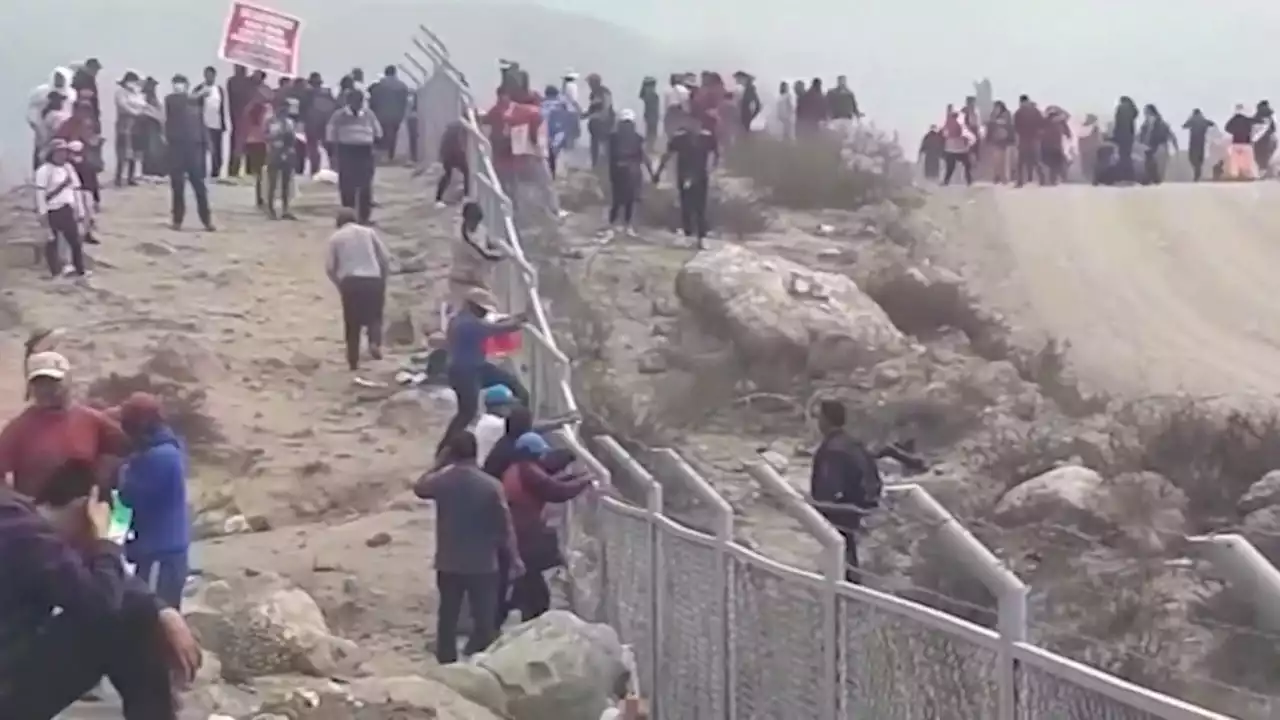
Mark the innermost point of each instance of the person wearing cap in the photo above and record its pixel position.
(573, 99)
(492, 425)
(358, 265)
(59, 207)
(473, 529)
(130, 106)
(54, 428)
(187, 146)
(153, 484)
(213, 113)
(469, 369)
(529, 488)
(627, 159)
(282, 133)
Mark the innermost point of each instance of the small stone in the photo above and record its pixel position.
(236, 524)
(378, 540)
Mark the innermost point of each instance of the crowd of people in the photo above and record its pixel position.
(1134, 147)
(270, 134)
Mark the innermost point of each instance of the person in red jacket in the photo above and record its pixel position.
(253, 137)
(513, 128)
(529, 487)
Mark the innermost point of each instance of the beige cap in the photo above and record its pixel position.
(483, 298)
(47, 364)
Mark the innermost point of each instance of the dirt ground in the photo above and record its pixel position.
(1158, 290)
(247, 316)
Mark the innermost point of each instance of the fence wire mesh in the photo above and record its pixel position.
(776, 640)
(692, 657)
(898, 668)
(628, 593)
(1043, 694)
(717, 631)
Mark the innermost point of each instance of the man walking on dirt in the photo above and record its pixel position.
(696, 153)
(389, 101)
(358, 264)
(354, 132)
(845, 483)
(1197, 127)
(240, 90)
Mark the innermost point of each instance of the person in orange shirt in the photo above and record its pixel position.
(54, 428)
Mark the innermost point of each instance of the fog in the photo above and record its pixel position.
(905, 58)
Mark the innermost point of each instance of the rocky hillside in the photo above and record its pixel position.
(809, 293)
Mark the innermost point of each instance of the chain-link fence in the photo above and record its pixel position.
(720, 632)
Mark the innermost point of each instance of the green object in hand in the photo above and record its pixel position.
(121, 519)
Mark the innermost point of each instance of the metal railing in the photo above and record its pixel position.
(721, 632)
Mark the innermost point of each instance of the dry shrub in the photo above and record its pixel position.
(1212, 453)
(834, 170)
(183, 406)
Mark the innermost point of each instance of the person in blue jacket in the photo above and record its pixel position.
(153, 484)
(560, 121)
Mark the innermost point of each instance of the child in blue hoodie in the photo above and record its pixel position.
(561, 121)
(154, 485)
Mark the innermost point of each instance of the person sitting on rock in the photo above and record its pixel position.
(54, 428)
(70, 614)
(154, 486)
(473, 528)
(529, 489)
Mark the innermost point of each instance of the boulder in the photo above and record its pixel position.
(556, 667)
(264, 626)
(401, 698)
(1262, 494)
(1142, 510)
(777, 311)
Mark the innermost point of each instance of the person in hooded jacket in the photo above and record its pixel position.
(529, 488)
(1124, 134)
(153, 484)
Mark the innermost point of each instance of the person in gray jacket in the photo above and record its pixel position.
(473, 527)
(357, 264)
(389, 101)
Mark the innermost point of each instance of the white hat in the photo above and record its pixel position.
(47, 364)
(627, 115)
(570, 75)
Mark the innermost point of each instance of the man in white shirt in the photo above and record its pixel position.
(39, 100)
(213, 108)
(58, 205)
(492, 425)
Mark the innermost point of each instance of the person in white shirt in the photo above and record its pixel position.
(58, 205)
(213, 108)
(784, 112)
(39, 101)
(492, 425)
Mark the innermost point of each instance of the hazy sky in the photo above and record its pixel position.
(905, 58)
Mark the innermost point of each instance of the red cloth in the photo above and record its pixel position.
(39, 440)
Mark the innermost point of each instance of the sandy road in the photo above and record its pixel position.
(1158, 290)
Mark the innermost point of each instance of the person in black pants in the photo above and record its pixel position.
(186, 141)
(453, 156)
(696, 153)
(355, 132)
(58, 204)
(473, 528)
(626, 158)
(469, 370)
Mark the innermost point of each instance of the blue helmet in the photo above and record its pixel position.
(498, 396)
(533, 444)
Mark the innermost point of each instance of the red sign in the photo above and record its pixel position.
(262, 39)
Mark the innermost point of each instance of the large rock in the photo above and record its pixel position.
(1262, 494)
(264, 626)
(1143, 510)
(556, 667)
(780, 312)
(401, 698)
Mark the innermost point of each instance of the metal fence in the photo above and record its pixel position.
(721, 632)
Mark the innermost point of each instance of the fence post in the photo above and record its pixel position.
(833, 567)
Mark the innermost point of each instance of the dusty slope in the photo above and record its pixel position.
(1158, 290)
(247, 315)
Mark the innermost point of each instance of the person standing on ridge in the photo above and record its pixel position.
(841, 102)
(389, 101)
(1240, 163)
(58, 206)
(749, 105)
(1155, 136)
(651, 103)
(599, 116)
(282, 133)
(627, 159)
(1124, 134)
(811, 109)
(1197, 127)
(784, 112)
(1264, 145)
(696, 153)
(321, 105)
(130, 106)
(932, 147)
(358, 265)
(559, 118)
(253, 128)
(85, 85)
(240, 90)
(213, 109)
(186, 142)
(1028, 126)
(354, 132)
(1000, 137)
